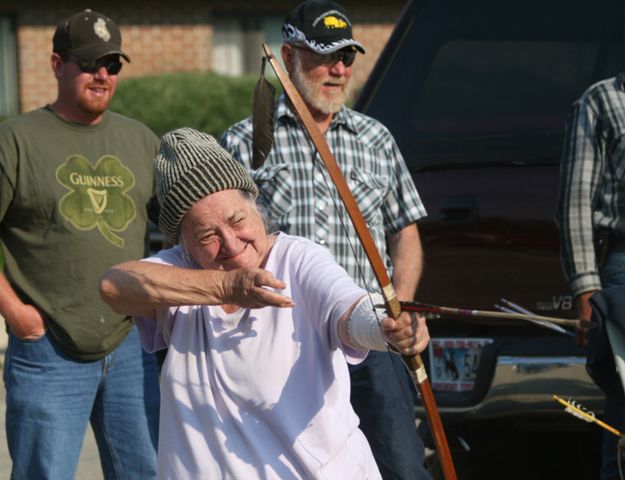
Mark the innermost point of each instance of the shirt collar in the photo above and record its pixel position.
(341, 118)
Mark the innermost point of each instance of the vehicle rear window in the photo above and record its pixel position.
(481, 97)
(493, 87)
(493, 82)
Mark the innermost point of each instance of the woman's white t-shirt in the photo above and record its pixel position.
(261, 393)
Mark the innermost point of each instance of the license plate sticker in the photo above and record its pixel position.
(454, 361)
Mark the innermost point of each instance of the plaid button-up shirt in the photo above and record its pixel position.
(592, 180)
(299, 196)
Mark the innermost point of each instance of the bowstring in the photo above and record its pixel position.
(340, 215)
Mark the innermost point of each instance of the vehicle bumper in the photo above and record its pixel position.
(526, 385)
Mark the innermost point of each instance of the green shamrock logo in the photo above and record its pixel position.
(97, 195)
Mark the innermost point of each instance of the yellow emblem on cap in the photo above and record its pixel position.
(100, 30)
(333, 22)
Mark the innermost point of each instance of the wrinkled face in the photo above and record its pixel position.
(325, 85)
(84, 96)
(224, 231)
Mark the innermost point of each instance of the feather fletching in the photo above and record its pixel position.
(262, 121)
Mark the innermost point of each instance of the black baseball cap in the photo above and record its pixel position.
(320, 25)
(88, 35)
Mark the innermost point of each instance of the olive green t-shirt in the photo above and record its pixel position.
(72, 204)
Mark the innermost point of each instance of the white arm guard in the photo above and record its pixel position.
(363, 327)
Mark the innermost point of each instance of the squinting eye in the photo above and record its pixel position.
(208, 238)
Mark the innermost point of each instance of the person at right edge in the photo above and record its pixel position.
(318, 52)
(590, 215)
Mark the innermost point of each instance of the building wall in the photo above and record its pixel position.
(163, 36)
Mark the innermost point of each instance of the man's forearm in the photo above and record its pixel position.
(9, 301)
(407, 257)
(25, 321)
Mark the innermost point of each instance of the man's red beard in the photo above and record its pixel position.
(98, 105)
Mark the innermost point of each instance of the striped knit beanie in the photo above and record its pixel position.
(189, 166)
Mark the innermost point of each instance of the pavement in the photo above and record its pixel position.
(89, 466)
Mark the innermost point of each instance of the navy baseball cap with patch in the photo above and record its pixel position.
(320, 25)
(88, 35)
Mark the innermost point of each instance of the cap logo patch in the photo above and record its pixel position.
(101, 31)
(332, 19)
(322, 26)
(333, 22)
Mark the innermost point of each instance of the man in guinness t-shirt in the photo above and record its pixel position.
(75, 180)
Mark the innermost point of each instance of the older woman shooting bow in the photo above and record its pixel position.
(248, 392)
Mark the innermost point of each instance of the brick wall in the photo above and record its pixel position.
(373, 37)
(162, 36)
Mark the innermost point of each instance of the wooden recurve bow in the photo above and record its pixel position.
(413, 363)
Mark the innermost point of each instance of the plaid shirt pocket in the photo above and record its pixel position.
(369, 191)
(274, 185)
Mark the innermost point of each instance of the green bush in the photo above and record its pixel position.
(205, 101)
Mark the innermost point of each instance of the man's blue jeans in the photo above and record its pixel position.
(612, 275)
(51, 397)
(383, 397)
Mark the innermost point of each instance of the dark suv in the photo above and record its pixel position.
(476, 94)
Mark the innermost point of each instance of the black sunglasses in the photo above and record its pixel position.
(113, 66)
(346, 55)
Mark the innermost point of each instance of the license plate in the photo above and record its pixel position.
(454, 361)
